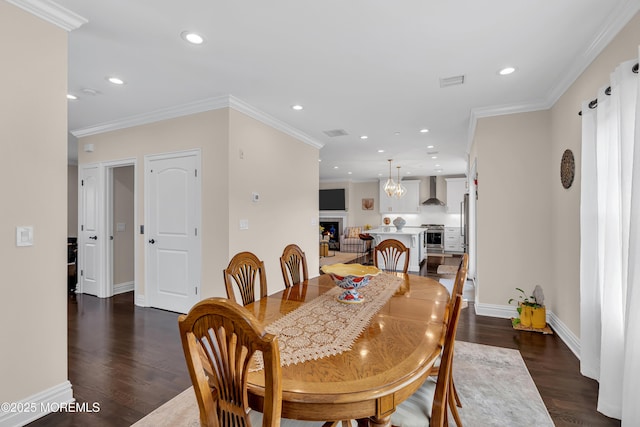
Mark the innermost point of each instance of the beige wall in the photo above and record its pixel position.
(72, 200)
(520, 153)
(283, 170)
(359, 191)
(566, 133)
(33, 184)
(123, 213)
(514, 218)
(207, 131)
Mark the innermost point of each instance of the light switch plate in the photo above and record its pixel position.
(24, 236)
(244, 224)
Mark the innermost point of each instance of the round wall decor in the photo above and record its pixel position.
(567, 168)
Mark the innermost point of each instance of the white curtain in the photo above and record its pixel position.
(610, 245)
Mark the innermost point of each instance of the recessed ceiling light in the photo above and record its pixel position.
(430, 146)
(408, 173)
(349, 173)
(71, 97)
(115, 80)
(437, 166)
(425, 130)
(506, 71)
(335, 167)
(434, 157)
(319, 160)
(438, 170)
(396, 133)
(297, 107)
(192, 37)
(89, 91)
(364, 137)
(380, 151)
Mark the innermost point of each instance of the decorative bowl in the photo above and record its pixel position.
(350, 277)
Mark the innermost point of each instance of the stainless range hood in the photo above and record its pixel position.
(432, 200)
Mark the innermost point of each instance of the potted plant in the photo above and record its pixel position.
(531, 310)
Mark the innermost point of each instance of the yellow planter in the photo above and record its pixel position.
(525, 315)
(538, 317)
(533, 317)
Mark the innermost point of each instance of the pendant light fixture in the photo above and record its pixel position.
(390, 186)
(401, 190)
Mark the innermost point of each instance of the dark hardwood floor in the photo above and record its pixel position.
(130, 361)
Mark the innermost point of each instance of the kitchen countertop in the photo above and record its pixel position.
(392, 230)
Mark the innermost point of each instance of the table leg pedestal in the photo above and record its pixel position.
(384, 421)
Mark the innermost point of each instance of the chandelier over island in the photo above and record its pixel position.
(393, 189)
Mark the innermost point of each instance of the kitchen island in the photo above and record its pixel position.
(411, 237)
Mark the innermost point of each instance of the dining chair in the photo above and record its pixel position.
(458, 286)
(219, 338)
(390, 251)
(243, 270)
(429, 405)
(292, 261)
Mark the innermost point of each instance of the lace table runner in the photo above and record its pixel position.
(325, 326)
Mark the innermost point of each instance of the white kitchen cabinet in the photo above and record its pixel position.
(456, 187)
(409, 203)
(453, 240)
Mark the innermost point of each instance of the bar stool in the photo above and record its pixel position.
(366, 247)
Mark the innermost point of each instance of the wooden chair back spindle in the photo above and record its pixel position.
(293, 264)
(243, 271)
(219, 338)
(390, 251)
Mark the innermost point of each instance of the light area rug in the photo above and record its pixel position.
(339, 257)
(493, 383)
(495, 388)
(447, 269)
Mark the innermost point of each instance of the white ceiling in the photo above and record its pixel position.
(369, 67)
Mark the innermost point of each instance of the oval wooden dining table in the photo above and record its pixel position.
(385, 365)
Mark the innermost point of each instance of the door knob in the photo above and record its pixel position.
(93, 237)
(152, 241)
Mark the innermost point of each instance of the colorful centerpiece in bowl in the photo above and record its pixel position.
(350, 277)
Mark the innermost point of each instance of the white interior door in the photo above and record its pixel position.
(172, 222)
(90, 253)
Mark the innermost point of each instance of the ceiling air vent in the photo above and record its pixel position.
(451, 81)
(336, 132)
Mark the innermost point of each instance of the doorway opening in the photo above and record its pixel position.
(120, 229)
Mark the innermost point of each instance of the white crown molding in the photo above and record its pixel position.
(615, 22)
(51, 12)
(612, 26)
(200, 106)
(39, 402)
(263, 117)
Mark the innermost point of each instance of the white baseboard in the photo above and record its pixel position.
(37, 405)
(508, 311)
(141, 301)
(121, 288)
(569, 338)
(493, 310)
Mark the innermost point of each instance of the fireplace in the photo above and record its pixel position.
(334, 226)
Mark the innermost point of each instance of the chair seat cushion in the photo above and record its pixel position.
(416, 410)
